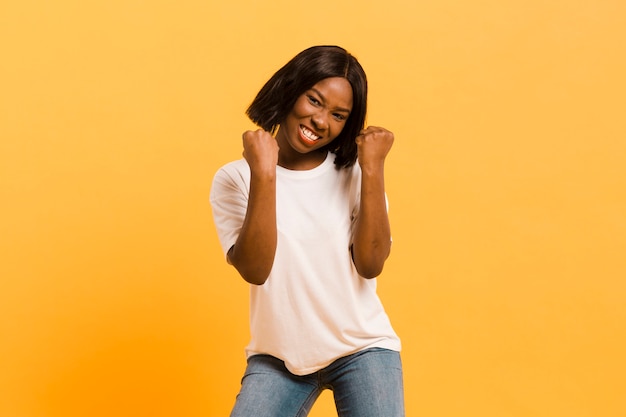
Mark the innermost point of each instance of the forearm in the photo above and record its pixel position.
(253, 252)
(372, 235)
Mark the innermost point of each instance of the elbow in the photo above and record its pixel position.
(369, 272)
(254, 279)
(369, 265)
(255, 274)
(368, 268)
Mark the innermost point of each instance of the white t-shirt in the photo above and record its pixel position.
(314, 307)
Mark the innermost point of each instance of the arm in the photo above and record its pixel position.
(371, 242)
(253, 252)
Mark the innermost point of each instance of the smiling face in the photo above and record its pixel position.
(317, 118)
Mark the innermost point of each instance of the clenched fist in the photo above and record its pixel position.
(260, 150)
(373, 145)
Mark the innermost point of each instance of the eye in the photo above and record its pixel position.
(313, 100)
(340, 117)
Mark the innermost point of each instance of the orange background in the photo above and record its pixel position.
(507, 185)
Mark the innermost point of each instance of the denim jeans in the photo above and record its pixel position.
(364, 384)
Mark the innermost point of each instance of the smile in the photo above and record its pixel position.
(308, 134)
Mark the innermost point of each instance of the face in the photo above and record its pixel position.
(317, 118)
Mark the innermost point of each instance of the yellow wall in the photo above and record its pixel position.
(507, 186)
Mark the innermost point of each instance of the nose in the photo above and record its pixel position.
(320, 120)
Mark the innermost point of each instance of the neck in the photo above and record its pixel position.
(302, 162)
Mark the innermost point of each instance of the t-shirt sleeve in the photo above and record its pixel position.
(229, 202)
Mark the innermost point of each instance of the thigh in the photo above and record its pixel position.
(369, 384)
(268, 389)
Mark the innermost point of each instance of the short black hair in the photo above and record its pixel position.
(278, 96)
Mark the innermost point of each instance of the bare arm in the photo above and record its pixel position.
(371, 242)
(253, 252)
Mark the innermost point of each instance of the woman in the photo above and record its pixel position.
(303, 219)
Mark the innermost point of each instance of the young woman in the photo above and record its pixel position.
(303, 219)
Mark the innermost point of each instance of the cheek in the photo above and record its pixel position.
(337, 129)
(301, 107)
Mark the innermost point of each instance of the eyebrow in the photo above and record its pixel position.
(324, 99)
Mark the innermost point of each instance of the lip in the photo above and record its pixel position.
(304, 138)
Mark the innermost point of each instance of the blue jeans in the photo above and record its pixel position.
(364, 384)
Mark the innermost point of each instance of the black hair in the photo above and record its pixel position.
(278, 96)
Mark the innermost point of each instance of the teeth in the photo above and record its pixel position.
(309, 134)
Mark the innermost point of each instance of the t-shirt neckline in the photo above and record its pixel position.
(308, 173)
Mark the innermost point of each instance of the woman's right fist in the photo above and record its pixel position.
(260, 150)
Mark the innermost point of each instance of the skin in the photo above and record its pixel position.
(322, 110)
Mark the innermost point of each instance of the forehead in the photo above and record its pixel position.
(336, 92)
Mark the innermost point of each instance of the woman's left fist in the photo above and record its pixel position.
(373, 144)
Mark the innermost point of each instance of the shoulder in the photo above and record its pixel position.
(239, 165)
(231, 176)
(234, 169)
